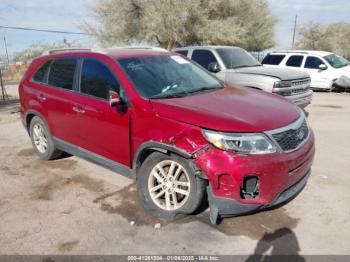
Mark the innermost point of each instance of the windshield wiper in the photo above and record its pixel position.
(241, 66)
(160, 96)
(204, 88)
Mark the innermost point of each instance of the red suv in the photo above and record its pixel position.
(180, 132)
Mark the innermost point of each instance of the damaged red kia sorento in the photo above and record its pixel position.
(180, 132)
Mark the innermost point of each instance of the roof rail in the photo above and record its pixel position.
(291, 51)
(139, 47)
(64, 50)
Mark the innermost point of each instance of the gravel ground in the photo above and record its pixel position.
(71, 206)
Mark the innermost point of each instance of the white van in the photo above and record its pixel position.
(327, 70)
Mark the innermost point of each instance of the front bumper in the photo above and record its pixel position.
(342, 82)
(226, 207)
(228, 171)
(302, 100)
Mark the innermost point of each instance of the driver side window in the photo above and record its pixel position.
(97, 79)
(203, 57)
(313, 62)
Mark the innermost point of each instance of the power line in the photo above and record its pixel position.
(44, 30)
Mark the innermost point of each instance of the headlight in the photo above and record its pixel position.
(280, 84)
(241, 143)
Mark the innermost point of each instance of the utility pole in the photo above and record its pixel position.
(294, 30)
(7, 53)
(3, 90)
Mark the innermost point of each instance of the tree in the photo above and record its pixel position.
(169, 23)
(333, 37)
(313, 36)
(37, 49)
(339, 37)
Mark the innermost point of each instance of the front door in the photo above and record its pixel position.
(317, 75)
(102, 129)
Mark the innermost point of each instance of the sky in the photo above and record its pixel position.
(319, 11)
(69, 15)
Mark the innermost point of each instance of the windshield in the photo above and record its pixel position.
(167, 76)
(336, 61)
(236, 58)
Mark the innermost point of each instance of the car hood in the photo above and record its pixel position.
(281, 73)
(346, 70)
(232, 109)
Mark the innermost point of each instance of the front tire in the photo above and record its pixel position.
(42, 140)
(168, 188)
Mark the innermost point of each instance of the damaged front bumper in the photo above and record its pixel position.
(342, 82)
(227, 207)
(241, 184)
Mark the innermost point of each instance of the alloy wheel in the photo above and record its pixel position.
(169, 185)
(40, 139)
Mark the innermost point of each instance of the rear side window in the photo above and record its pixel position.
(97, 79)
(62, 73)
(273, 59)
(313, 62)
(295, 60)
(41, 74)
(182, 52)
(203, 57)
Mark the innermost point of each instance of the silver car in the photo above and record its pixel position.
(236, 66)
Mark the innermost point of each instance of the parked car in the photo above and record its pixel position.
(327, 70)
(156, 117)
(236, 66)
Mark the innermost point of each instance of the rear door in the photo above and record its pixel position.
(102, 129)
(59, 98)
(295, 61)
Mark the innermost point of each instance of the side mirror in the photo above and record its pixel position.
(114, 98)
(214, 67)
(323, 67)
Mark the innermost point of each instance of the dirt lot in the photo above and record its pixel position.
(70, 206)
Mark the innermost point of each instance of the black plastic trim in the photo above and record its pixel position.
(160, 147)
(94, 158)
(228, 207)
(36, 113)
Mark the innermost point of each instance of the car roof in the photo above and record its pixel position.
(119, 53)
(205, 47)
(114, 53)
(309, 52)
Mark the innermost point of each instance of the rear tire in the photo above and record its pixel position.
(168, 188)
(42, 140)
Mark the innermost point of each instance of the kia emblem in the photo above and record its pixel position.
(300, 134)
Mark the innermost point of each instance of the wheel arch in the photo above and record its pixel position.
(30, 115)
(149, 147)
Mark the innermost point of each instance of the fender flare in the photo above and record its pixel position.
(35, 113)
(160, 147)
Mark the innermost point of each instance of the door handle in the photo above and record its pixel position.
(78, 110)
(41, 97)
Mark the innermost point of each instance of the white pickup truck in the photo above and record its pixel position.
(236, 66)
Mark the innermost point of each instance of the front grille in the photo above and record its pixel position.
(296, 87)
(293, 92)
(301, 82)
(291, 139)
